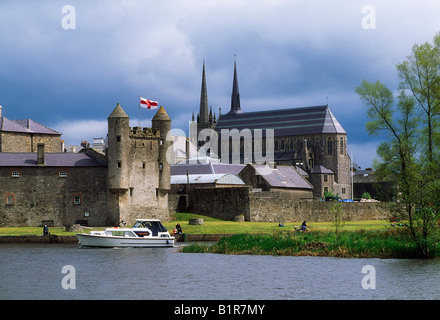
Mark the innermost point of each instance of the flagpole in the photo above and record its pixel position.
(139, 101)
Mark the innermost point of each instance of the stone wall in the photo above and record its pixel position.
(267, 206)
(221, 203)
(26, 142)
(41, 194)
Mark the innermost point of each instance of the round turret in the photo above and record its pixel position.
(118, 149)
(162, 122)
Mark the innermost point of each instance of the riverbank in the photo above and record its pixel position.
(53, 238)
(362, 244)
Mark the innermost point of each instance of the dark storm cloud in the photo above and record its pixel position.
(289, 54)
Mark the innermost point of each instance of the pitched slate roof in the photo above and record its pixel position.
(8, 159)
(283, 177)
(285, 122)
(321, 169)
(24, 126)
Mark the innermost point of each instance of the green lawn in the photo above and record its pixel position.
(216, 226)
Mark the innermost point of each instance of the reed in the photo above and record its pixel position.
(360, 244)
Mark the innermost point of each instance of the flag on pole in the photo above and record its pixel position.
(148, 104)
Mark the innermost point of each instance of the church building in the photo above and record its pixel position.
(310, 139)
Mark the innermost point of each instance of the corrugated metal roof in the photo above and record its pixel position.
(207, 178)
(51, 160)
(294, 121)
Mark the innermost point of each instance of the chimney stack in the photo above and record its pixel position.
(40, 154)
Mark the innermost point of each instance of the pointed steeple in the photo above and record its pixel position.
(204, 115)
(235, 97)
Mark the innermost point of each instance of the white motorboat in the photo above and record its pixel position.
(145, 233)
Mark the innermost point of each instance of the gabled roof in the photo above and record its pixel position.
(285, 122)
(8, 159)
(24, 126)
(282, 177)
(321, 169)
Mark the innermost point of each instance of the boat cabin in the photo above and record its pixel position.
(154, 226)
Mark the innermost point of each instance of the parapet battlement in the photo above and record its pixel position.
(144, 133)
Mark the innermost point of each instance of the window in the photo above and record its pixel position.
(77, 199)
(143, 165)
(276, 145)
(325, 178)
(291, 144)
(341, 146)
(15, 173)
(329, 146)
(118, 138)
(9, 199)
(62, 174)
(119, 164)
(282, 144)
(343, 190)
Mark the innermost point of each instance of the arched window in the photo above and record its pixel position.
(291, 144)
(341, 146)
(329, 146)
(316, 144)
(276, 145)
(282, 144)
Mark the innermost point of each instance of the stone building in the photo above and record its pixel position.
(24, 136)
(131, 180)
(310, 138)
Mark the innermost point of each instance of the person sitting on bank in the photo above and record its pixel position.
(45, 230)
(178, 229)
(304, 226)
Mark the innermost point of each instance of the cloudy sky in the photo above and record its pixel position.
(68, 67)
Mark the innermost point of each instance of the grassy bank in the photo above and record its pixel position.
(355, 244)
(216, 226)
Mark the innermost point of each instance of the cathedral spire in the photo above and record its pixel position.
(235, 98)
(204, 112)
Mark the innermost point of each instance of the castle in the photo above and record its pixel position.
(41, 184)
(310, 139)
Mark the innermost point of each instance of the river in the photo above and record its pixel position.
(66, 272)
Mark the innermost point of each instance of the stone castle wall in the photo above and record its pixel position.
(228, 203)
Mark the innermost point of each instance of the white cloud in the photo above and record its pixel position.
(73, 132)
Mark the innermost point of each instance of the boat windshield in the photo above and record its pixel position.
(154, 226)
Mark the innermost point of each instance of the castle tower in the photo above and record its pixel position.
(118, 151)
(162, 122)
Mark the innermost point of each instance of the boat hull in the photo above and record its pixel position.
(87, 240)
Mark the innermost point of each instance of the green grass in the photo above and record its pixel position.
(358, 244)
(217, 226)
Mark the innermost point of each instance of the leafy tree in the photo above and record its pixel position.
(410, 155)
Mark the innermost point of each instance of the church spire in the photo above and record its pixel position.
(235, 98)
(204, 115)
